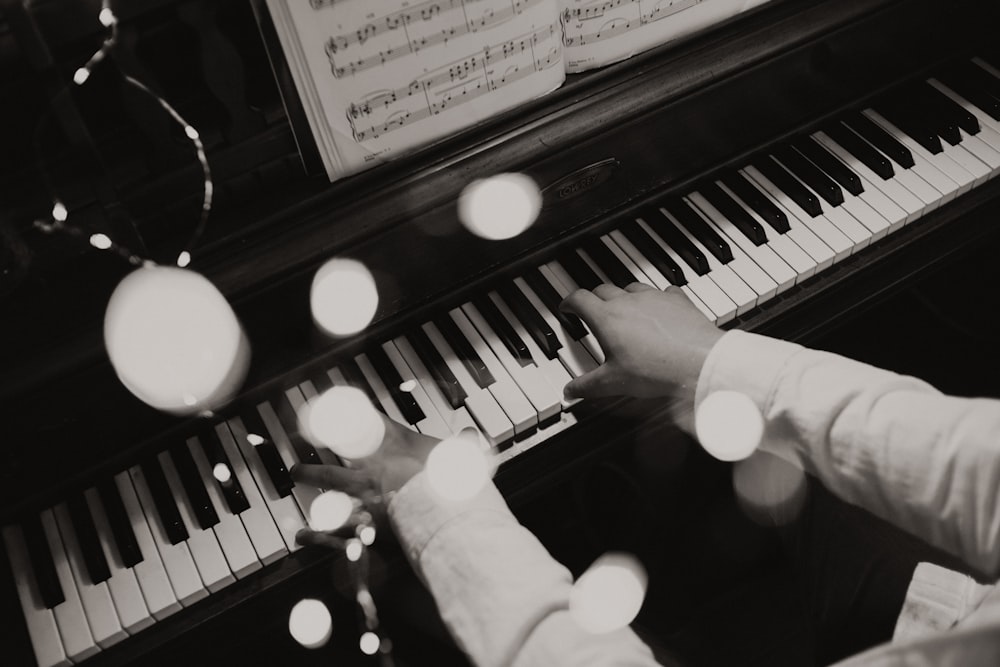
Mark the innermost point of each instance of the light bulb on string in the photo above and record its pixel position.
(174, 341)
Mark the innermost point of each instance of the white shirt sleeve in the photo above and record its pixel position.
(500, 593)
(892, 444)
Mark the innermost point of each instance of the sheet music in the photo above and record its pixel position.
(600, 32)
(381, 77)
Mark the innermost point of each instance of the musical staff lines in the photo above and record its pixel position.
(414, 28)
(455, 83)
(578, 22)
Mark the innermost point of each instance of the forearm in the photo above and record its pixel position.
(500, 593)
(889, 443)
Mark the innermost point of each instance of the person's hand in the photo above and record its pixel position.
(654, 342)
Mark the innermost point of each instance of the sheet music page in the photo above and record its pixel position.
(600, 32)
(379, 78)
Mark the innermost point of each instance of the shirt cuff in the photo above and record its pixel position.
(418, 513)
(748, 363)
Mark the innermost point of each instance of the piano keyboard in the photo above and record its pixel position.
(179, 526)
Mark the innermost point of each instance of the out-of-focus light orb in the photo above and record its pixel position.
(222, 472)
(106, 17)
(100, 241)
(344, 420)
(310, 623)
(367, 535)
(369, 643)
(59, 211)
(729, 425)
(183, 259)
(81, 75)
(353, 550)
(330, 510)
(255, 439)
(499, 207)
(174, 341)
(609, 594)
(344, 297)
(457, 468)
(407, 386)
(770, 489)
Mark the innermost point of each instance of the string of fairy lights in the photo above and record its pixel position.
(356, 547)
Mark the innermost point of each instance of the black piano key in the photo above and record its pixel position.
(533, 321)
(163, 501)
(810, 174)
(349, 369)
(673, 237)
(948, 107)
(735, 214)
(958, 79)
(232, 490)
(436, 366)
(698, 228)
(830, 164)
(906, 119)
(194, 486)
(320, 380)
(787, 183)
(41, 562)
(933, 116)
(544, 290)
(860, 149)
(86, 535)
(582, 275)
(289, 419)
(503, 329)
(121, 527)
(393, 382)
(879, 138)
(464, 351)
(606, 261)
(270, 457)
(652, 251)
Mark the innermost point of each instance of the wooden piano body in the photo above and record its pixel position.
(664, 122)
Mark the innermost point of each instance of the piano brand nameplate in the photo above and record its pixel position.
(581, 181)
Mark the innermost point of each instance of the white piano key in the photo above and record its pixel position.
(95, 599)
(819, 252)
(552, 370)
(720, 307)
(483, 407)
(431, 424)
(582, 254)
(514, 403)
(949, 171)
(910, 205)
(989, 128)
(381, 393)
(78, 642)
(650, 275)
(283, 510)
(575, 358)
(961, 155)
(122, 584)
(775, 268)
(204, 546)
(151, 573)
(42, 629)
(303, 493)
(566, 420)
(981, 150)
(721, 274)
(545, 400)
(611, 243)
(232, 536)
(821, 225)
(455, 419)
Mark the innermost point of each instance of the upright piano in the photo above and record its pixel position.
(788, 168)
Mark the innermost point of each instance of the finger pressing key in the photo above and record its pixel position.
(351, 482)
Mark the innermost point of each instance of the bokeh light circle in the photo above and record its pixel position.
(174, 341)
(458, 468)
(499, 207)
(729, 425)
(330, 510)
(343, 297)
(310, 623)
(369, 643)
(770, 489)
(343, 419)
(609, 594)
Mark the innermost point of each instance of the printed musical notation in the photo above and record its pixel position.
(453, 84)
(577, 22)
(414, 28)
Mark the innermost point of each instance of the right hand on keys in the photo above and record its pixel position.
(654, 342)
